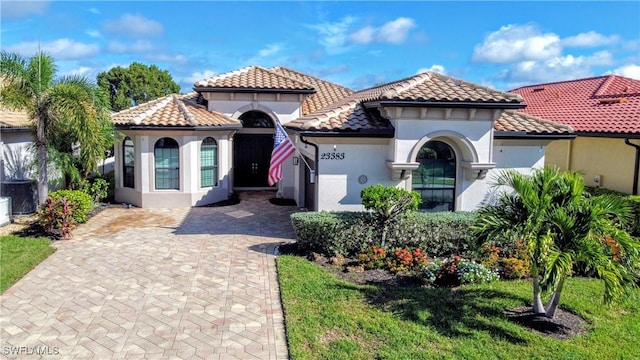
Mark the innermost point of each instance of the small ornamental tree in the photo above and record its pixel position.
(388, 204)
(562, 225)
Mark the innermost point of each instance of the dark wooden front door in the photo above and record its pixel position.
(251, 158)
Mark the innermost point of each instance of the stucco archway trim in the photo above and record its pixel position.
(255, 106)
(464, 148)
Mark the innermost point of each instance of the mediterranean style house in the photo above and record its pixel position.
(604, 111)
(432, 133)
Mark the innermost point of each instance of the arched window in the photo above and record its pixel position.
(256, 119)
(167, 157)
(435, 178)
(128, 169)
(208, 163)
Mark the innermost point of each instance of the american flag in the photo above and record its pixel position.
(282, 149)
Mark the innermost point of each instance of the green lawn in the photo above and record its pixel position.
(328, 318)
(19, 255)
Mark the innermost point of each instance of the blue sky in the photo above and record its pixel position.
(356, 44)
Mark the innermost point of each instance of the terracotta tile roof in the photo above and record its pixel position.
(16, 119)
(326, 93)
(604, 104)
(349, 114)
(435, 87)
(511, 120)
(175, 111)
(252, 78)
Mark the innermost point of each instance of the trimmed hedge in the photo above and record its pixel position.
(347, 233)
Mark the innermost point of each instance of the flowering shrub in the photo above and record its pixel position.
(470, 272)
(456, 271)
(514, 268)
(373, 257)
(511, 259)
(489, 255)
(448, 274)
(407, 260)
(430, 272)
(56, 216)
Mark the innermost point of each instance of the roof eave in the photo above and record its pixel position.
(523, 135)
(253, 90)
(603, 134)
(378, 133)
(15, 128)
(164, 127)
(446, 104)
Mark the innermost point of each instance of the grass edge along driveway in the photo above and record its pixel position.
(18, 255)
(327, 318)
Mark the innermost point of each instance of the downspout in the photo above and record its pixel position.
(634, 191)
(316, 163)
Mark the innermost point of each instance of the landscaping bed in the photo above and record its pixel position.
(371, 314)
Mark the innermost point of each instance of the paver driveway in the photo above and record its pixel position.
(156, 283)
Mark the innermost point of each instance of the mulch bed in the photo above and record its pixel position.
(564, 325)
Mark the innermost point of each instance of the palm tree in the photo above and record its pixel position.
(561, 225)
(69, 109)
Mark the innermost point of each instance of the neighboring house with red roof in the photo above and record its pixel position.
(431, 133)
(604, 111)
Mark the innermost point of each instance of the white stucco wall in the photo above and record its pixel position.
(285, 107)
(15, 143)
(190, 193)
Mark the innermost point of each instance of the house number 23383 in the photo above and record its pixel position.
(332, 156)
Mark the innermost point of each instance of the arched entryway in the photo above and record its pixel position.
(435, 177)
(252, 150)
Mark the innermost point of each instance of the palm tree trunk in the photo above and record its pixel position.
(41, 144)
(538, 307)
(555, 299)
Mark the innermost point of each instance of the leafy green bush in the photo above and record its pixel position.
(81, 203)
(348, 233)
(388, 205)
(98, 188)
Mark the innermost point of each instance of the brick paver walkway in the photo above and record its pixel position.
(156, 283)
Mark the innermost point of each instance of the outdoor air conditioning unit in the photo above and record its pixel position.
(5, 211)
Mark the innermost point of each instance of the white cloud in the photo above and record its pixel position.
(435, 68)
(393, 32)
(197, 76)
(334, 35)
(19, 9)
(167, 58)
(95, 11)
(589, 39)
(269, 50)
(514, 43)
(139, 46)
(630, 71)
(59, 49)
(134, 26)
(93, 33)
(363, 36)
(265, 53)
(81, 71)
